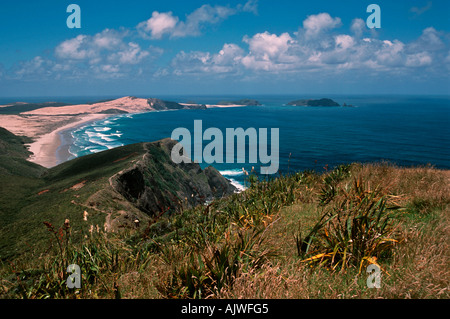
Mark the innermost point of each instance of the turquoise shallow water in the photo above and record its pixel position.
(403, 130)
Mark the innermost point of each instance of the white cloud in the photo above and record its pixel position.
(418, 59)
(430, 40)
(231, 54)
(421, 10)
(344, 41)
(108, 39)
(270, 52)
(158, 25)
(389, 54)
(85, 47)
(358, 27)
(132, 54)
(36, 68)
(161, 24)
(206, 14)
(251, 6)
(271, 44)
(227, 60)
(111, 54)
(72, 49)
(102, 55)
(316, 24)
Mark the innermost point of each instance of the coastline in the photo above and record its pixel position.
(62, 153)
(52, 148)
(209, 106)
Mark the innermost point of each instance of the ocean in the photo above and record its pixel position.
(403, 130)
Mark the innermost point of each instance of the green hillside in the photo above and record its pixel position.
(305, 235)
(31, 194)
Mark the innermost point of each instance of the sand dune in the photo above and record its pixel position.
(44, 125)
(126, 104)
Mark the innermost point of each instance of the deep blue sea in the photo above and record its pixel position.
(405, 130)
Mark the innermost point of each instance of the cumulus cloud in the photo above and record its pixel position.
(314, 25)
(227, 60)
(320, 46)
(102, 55)
(269, 51)
(131, 54)
(85, 47)
(331, 52)
(164, 23)
(429, 40)
(358, 27)
(158, 25)
(72, 49)
(36, 68)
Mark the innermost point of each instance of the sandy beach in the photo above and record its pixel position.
(46, 131)
(46, 150)
(49, 127)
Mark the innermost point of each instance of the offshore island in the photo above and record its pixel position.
(311, 102)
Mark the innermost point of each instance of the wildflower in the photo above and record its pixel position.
(91, 229)
(67, 223)
(85, 215)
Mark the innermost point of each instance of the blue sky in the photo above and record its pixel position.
(224, 47)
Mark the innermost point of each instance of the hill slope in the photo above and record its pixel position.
(115, 187)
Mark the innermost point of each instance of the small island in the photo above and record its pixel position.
(310, 102)
(243, 102)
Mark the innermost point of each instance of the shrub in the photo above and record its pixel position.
(356, 229)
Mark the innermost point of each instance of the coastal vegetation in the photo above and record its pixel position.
(302, 235)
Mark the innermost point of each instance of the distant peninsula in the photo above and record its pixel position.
(238, 103)
(311, 102)
(243, 102)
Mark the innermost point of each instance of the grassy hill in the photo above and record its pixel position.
(98, 184)
(306, 235)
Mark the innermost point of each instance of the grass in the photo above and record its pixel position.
(261, 243)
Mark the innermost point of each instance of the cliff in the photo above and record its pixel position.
(155, 184)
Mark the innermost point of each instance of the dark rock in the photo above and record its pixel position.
(157, 185)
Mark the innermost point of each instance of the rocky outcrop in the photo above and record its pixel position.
(157, 185)
(161, 105)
